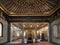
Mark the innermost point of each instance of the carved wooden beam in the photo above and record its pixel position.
(55, 16)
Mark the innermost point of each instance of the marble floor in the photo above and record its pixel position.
(40, 43)
(17, 42)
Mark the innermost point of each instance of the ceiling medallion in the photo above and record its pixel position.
(30, 4)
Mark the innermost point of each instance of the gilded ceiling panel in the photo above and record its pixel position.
(30, 7)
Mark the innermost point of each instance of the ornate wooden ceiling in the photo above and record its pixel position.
(30, 25)
(30, 7)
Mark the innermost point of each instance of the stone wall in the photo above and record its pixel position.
(56, 32)
(3, 39)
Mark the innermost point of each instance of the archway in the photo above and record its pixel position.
(30, 31)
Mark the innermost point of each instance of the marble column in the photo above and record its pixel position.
(35, 33)
(9, 32)
(22, 34)
(50, 33)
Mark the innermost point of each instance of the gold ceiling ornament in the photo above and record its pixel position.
(30, 7)
(30, 25)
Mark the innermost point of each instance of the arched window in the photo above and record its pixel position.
(1, 30)
(55, 28)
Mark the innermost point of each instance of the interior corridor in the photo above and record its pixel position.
(32, 29)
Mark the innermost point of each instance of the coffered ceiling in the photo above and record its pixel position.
(30, 25)
(29, 7)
